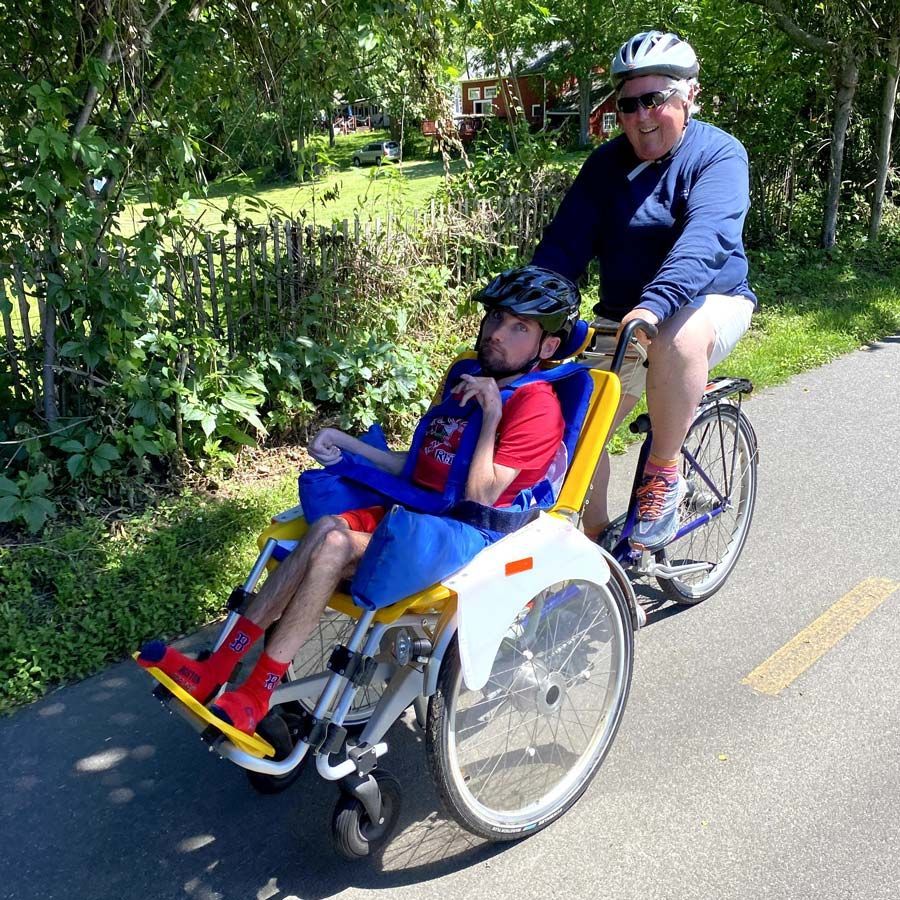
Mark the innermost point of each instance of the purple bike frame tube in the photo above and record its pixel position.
(706, 480)
(696, 523)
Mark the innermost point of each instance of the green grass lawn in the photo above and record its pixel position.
(341, 192)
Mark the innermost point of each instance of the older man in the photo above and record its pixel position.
(662, 208)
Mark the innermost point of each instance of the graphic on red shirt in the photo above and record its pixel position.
(528, 438)
(438, 450)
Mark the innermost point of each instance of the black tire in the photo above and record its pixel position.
(544, 668)
(280, 730)
(713, 438)
(353, 834)
(357, 162)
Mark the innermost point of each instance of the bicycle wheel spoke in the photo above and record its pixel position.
(721, 455)
(542, 721)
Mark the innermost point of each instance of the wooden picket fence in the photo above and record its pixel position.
(251, 285)
(254, 284)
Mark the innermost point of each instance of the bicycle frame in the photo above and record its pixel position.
(623, 552)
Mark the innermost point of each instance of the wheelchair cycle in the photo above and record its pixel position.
(518, 666)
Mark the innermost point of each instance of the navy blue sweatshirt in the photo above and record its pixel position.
(664, 232)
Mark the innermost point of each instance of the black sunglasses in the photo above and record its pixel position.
(650, 100)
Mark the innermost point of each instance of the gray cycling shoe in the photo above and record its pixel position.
(658, 501)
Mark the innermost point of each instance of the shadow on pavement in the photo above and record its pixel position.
(106, 797)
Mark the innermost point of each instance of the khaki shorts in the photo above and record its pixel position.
(730, 318)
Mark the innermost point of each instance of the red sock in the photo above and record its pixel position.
(201, 679)
(245, 706)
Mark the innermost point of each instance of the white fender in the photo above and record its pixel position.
(494, 587)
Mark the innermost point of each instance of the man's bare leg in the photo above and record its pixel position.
(335, 557)
(678, 372)
(677, 377)
(281, 586)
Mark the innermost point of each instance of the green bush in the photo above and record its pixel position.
(88, 594)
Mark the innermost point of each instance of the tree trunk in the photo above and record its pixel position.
(847, 79)
(585, 83)
(888, 101)
(510, 110)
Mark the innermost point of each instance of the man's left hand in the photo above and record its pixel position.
(485, 391)
(639, 313)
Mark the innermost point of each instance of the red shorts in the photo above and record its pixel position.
(364, 520)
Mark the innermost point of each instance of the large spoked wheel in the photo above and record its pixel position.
(353, 833)
(513, 756)
(723, 445)
(312, 658)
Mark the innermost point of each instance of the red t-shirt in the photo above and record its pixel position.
(528, 437)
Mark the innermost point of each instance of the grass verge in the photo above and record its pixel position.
(88, 594)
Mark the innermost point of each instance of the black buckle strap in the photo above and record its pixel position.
(321, 735)
(356, 668)
(503, 520)
(239, 599)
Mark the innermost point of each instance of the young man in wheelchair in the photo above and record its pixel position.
(529, 312)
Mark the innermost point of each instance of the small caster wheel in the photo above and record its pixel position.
(354, 835)
(281, 732)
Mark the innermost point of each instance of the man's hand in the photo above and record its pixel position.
(485, 391)
(639, 313)
(326, 447)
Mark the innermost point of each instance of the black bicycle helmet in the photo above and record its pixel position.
(535, 293)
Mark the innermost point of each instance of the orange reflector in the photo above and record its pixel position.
(520, 565)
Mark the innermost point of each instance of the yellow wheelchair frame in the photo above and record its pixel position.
(463, 664)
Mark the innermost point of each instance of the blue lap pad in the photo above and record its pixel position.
(409, 552)
(324, 493)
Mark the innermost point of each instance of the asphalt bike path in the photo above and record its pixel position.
(719, 785)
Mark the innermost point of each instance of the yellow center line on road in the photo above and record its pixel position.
(799, 653)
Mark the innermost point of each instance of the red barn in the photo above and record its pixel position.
(602, 122)
(492, 96)
(544, 104)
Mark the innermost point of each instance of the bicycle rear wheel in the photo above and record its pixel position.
(723, 446)
(513, 756)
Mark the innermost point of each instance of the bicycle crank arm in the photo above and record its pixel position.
(659, 570)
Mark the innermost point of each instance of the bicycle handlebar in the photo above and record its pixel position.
(625, 339)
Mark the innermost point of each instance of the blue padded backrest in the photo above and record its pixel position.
(573, 386)
(573, 342)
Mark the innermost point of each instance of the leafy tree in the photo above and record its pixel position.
(846, 34)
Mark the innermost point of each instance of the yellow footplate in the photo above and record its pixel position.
(252, 744)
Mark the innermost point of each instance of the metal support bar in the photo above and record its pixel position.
(345, 768)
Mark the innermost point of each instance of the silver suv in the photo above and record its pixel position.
(377, 152)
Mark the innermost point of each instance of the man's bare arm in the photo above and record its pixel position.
(327, 447)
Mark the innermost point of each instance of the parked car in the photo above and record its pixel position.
(377, 152)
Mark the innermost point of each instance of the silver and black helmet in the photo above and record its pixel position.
(536, 293)
(654, 53)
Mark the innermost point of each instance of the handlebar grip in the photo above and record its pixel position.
(625, 339)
